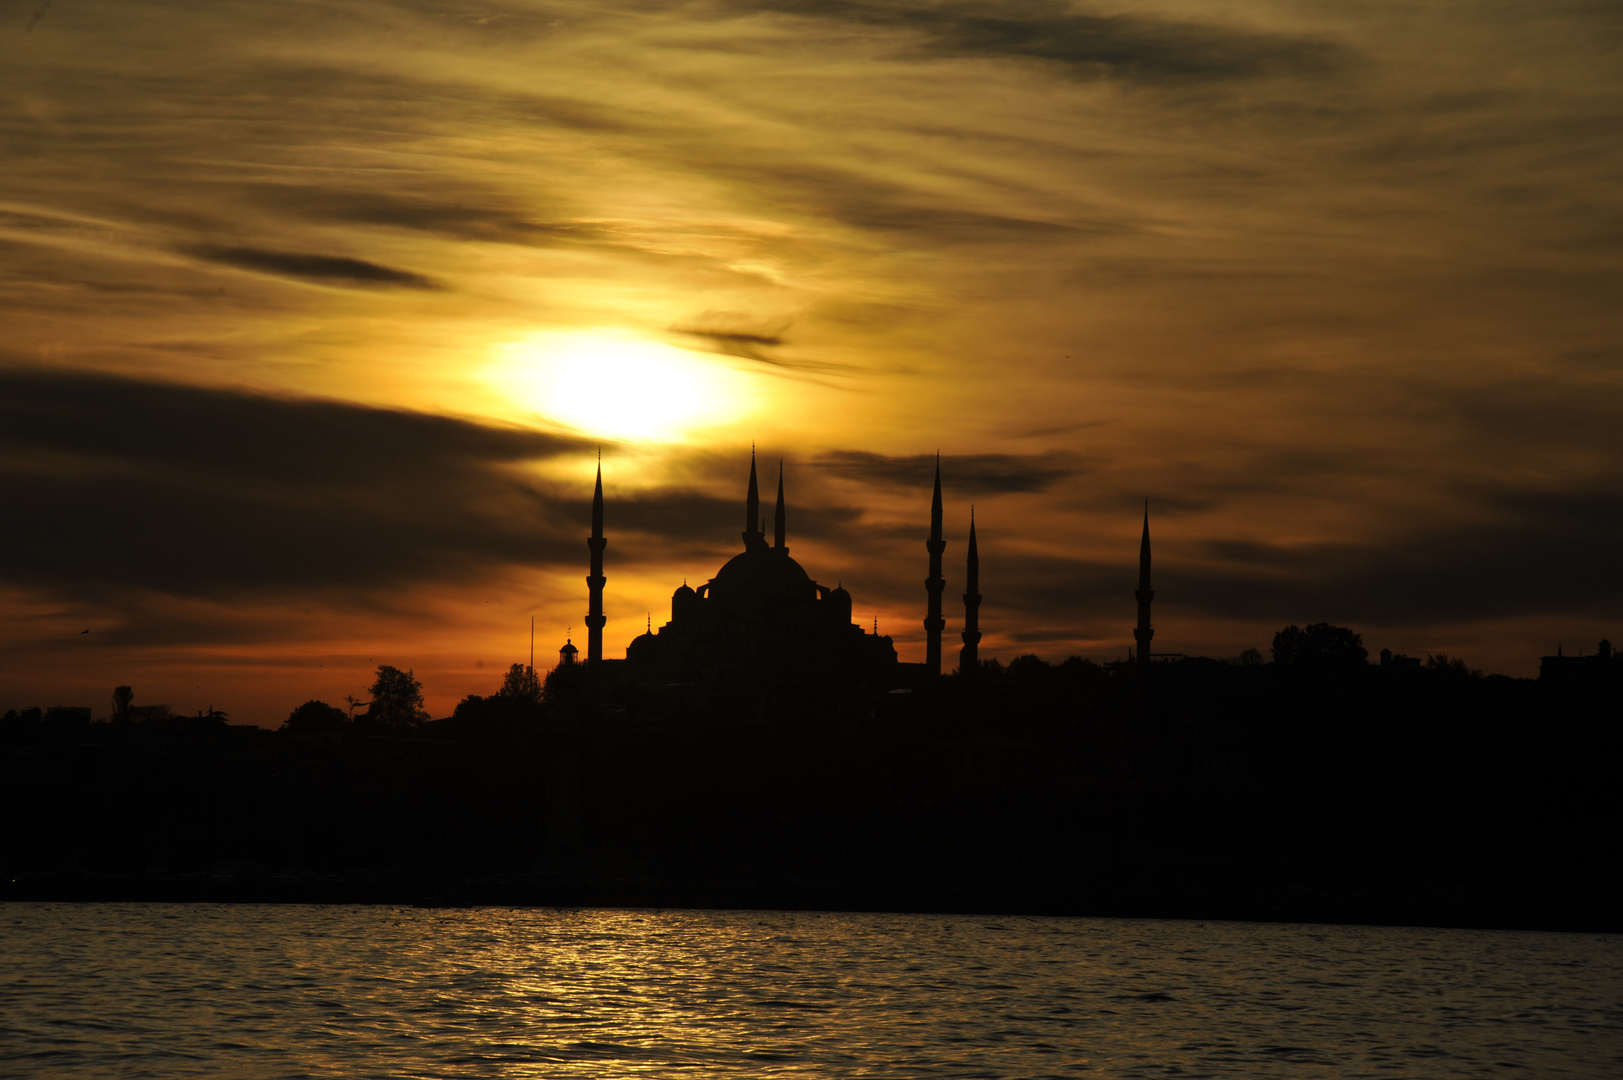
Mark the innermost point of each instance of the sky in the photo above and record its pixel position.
(316, 316)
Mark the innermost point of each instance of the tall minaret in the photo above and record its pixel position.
(969, 657)
(594, 583)
(1144, 594)
(933, 622)
(752, 509)
(779, 532)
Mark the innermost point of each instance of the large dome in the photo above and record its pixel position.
(761, 580)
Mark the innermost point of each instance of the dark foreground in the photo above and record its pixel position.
(1221, 792)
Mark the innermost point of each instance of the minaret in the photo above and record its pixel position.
(752, 509)
(1144, 594)
(933, 622)
(594, 583)
(969, 657)
(779, 532)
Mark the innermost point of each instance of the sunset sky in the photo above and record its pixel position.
(315, 316)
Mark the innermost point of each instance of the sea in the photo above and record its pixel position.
(154, 990)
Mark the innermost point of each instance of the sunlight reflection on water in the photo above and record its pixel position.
(260, 991)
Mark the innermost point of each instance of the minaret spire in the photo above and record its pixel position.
(969, 660)
(752, 507)
(779, 532)
(935, 583)
(1144, 594)
(594, 582)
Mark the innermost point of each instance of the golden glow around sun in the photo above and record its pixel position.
(620, 386)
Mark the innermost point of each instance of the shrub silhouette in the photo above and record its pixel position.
(316, 718)
(1320, 646)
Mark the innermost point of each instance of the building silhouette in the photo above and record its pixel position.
(1398, 662)
(761, 619)
(595, 619)
(1144, 594)
(1600, 671)
(969, 660)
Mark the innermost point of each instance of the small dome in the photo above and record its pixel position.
(683, 602)
(839, 604)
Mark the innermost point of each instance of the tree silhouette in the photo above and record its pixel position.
(123, 697)
(520, 684)
(1320, 646)
(1452, 665)
(397, 701)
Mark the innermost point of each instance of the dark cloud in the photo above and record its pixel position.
(734, 342)
(1060, 429)
(117, 488)
(1086, 45)
(1538, 413)
(970, 474)
(1527, 553)
(731, 336)
(1522, 553)
(703, 520)
(951, 223)
(327, 269)
(117, 484)
(1600, 358)
(39, 13)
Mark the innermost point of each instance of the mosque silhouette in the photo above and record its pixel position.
(762, 619)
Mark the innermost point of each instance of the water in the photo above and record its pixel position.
(263, 991)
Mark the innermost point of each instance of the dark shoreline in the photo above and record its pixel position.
(1587, 912)
(1217, 792)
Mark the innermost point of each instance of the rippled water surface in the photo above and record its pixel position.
(170, 991)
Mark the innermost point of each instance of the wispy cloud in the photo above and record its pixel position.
(39, 13)
(325, 269)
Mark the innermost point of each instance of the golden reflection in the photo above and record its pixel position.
(619, 386)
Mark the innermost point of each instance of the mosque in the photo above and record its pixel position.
(762, 619)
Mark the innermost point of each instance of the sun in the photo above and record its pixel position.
(620, 386)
